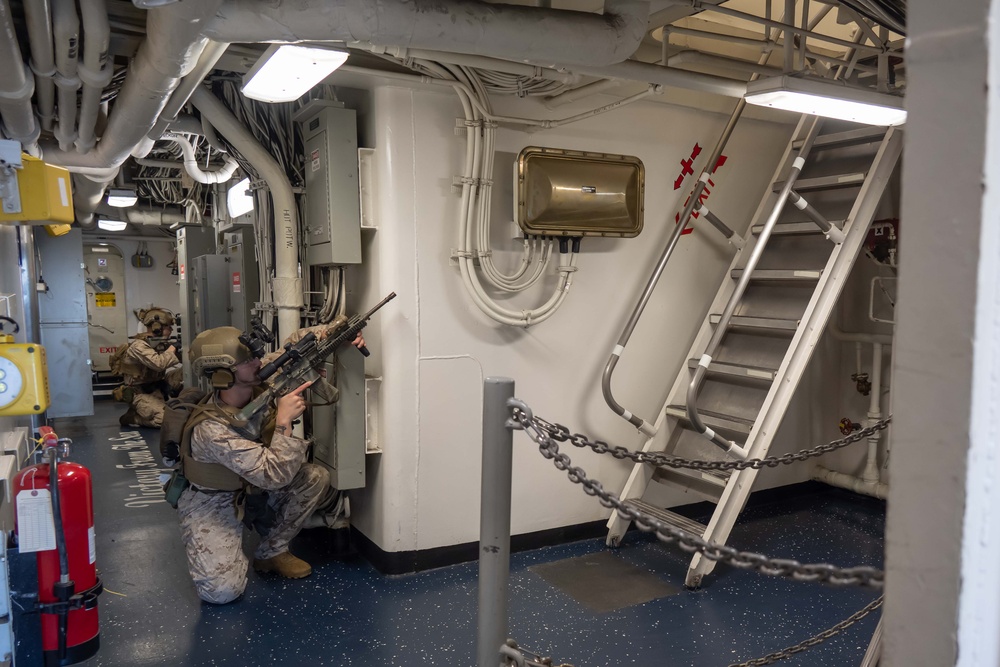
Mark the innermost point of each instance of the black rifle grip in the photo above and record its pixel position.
(365, 351)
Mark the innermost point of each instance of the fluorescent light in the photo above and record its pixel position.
(829, 99)
(286, 72)
(239, 201)
(122, 197)
(112, 225)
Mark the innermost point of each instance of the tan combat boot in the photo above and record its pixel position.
(284, 565)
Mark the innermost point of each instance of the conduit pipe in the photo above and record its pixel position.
(66, 30)
(38, 17)
(95, 71)
(220, 175)
(170, 51)
(16, 86)
(154, 216)
(168, 117)
(868, 483)
(88, 193)
(467, 60)
(634, 70)
(287, 283)
(457, 26)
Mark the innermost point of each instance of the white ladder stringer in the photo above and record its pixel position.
(777, 325)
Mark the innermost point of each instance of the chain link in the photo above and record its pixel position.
(560, 433)
(815, 640)
(855, 576)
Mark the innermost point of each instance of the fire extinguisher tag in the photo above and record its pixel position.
(36, 531)
(92, 543)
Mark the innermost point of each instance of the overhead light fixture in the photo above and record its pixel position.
(112, 225)
(239, 201)
(829, 99)
(286, 72)
(122, 197)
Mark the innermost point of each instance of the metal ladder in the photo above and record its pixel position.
(764, 323)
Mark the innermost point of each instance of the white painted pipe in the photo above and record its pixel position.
(287, 283)
(467, 60)
(95, 71)
(857, 337)
(845, 481)
(206, 63)
(66, 30)
(599, 86)
(508, 32)
(220, 175)
(633, 70)
(17, 85)
(154, 216)
(38, 17)
(870, 473)
(88, 193)
(172, 47)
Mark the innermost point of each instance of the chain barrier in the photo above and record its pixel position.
(560, 433)
(815, 640)
(865, 576)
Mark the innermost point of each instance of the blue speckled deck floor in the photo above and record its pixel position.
(347, 614)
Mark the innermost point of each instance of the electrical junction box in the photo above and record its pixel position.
(333, 209)
(210, 278)
(243, 276)
(45, 193)
(24, 382)
(339, 429)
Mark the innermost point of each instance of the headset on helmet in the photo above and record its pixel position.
(214, 354)
(155, 319)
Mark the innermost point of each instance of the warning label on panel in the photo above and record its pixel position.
(104, 299)
(314, 158)
(237, 286)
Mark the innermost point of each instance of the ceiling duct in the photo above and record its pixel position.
(456, 26)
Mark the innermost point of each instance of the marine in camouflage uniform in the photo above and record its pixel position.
(210, 527)
(210, 514)
(149, 374)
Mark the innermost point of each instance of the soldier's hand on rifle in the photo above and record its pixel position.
(359, 341)
(290, 407)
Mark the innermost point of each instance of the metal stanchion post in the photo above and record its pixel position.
(494, 520)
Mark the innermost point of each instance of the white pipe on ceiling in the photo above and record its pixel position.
(287, 283)
(38, 17)
(16, 86)
(95, 71)
(66, 30)
(457, 26)
(220, 175)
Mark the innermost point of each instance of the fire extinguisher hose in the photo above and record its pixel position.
(63, 590)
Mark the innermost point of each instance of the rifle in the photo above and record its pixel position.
(298, 363)
(161, 344)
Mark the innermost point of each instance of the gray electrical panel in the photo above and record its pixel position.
(333, 208)
(210, 287)
(339, 429)
(243, 278)
(191, 242)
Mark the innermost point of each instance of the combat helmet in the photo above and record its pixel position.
(215, 352)
(155, 318)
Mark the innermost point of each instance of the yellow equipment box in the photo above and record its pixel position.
(46, 193)
(24, 382)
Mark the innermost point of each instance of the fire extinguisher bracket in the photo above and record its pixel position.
(84, 600)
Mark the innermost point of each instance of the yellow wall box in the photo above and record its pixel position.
(24, 382)
(45, 192)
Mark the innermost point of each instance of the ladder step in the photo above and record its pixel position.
(825, 182)
(668, 517)
(864, 135)
(793, 276)
(797, 228)
(767, 324)
(713, 420)
(727, 369)
(709, 484)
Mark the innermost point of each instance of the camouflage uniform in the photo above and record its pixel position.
(145, 370)
(212, 532)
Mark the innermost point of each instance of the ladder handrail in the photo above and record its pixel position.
(701, 371)
(641, 424)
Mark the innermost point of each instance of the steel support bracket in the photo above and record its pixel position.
(10, 162)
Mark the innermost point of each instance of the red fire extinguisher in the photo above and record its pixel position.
(68, 584)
